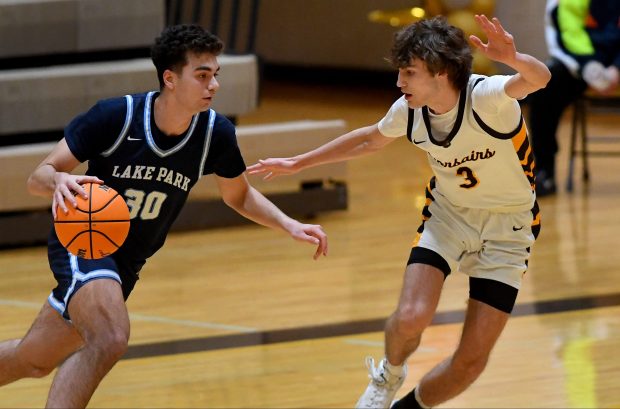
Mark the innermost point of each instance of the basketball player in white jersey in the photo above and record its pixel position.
(480, 216)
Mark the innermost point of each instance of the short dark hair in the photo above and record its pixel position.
(440, 45)
(169, 52)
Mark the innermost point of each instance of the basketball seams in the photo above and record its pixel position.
(76, 237)
(90, 220)
(90, 232)
(86, 237)
(106, 237)
(107, 203)
(77, 209)
(97, 221)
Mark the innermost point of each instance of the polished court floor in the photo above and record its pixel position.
(243, 317)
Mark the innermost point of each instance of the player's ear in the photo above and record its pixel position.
(442, 74)
(169, 79)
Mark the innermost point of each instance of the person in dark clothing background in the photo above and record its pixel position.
(583, 37)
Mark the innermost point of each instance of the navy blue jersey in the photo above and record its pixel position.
(154, 172)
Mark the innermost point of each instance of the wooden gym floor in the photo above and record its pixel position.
(243, 317)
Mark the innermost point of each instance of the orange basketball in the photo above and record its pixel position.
(97, 227)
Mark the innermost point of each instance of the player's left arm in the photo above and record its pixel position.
(250, 203)
(531, 75)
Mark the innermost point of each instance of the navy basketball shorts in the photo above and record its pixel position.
(71, 273)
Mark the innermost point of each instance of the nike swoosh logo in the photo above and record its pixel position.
(131, 138)
(515, 228)
(418, 142)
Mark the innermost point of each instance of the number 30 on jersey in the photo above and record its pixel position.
(145, 206)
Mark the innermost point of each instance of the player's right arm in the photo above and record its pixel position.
(53, 178)
(359, 142)
(86, 136)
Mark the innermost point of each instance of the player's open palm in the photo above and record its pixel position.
(273, 167)
(500, 45)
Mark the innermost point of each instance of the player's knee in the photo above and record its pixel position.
(110, 345)
(32, 369)
(116, 345)
(35, 371)
(412, 319)
(24, 364)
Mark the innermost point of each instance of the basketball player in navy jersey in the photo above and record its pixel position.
(152, 148)
(480, 215)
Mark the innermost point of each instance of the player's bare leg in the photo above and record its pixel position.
(483, 326)
(99, 314)
(46, 345)
(418, 301)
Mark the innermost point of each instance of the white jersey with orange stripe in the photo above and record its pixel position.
(479, 151)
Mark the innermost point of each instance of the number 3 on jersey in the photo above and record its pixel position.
(146, 206)
(470, 177)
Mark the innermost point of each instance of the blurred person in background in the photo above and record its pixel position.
(583, 37)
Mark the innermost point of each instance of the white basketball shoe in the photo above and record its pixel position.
(382, 386)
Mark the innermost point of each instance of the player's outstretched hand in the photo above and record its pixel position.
(67, 185)
(273, 167)
(500, 45)
(310, 233)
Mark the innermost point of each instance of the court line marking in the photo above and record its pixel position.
(189, 323)
(351, 328)
(149, 318)
(364, 342)
(380, 344)
(274, 336)
(24, 304)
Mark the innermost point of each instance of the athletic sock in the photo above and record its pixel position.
(409, 401)
(396, 370)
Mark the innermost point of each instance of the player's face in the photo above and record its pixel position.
(197, 84)
(418, 84)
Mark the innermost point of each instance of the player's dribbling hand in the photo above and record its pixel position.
(273, 167)
(66, 185)
(313, 234)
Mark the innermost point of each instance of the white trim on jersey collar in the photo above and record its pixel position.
(149, 136)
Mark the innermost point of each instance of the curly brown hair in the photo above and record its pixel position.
(440, 45)
(170, 49)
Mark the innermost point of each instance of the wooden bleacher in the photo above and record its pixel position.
(82, 40)
(47, 98)
(306, 193)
